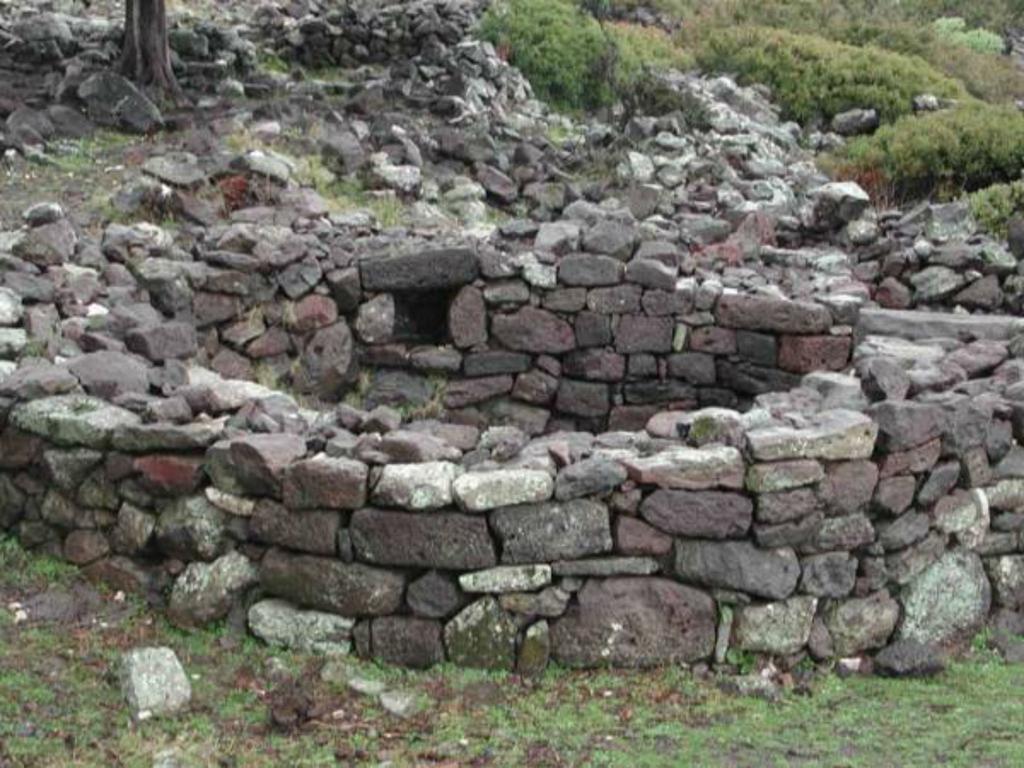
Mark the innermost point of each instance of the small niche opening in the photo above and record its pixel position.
(422, 316)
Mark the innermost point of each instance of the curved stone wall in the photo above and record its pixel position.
(822, 531)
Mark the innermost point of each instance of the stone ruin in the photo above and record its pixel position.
(716, 403)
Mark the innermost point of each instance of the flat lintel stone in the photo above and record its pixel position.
(836, 435)
(429, 270)
(908, 324)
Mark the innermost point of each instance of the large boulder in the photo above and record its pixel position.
(635, 622)
(947, 602)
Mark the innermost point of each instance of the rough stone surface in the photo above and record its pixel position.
(947, 602)
(635, 622)
(153, 683)
(738, 565)
(482, 635)
(775, 628)
(279, 623)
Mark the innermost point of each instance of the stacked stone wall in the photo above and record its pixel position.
(829, 533)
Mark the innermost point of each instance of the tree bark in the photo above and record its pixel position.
(146, 56)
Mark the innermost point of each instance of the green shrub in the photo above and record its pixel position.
(814, 77)
(953, 30)
(646, 47)
(561, 50)
(994, 206)
(570, 59)
(942, 154)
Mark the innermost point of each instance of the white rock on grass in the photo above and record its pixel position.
(154, 683)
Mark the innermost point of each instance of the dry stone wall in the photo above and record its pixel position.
(831, 532)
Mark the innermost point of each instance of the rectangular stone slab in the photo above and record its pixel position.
(908, 324)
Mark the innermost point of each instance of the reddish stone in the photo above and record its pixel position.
(231, 365)
(711, 338)
(459, 394)
(729, 251)
(636, 333)
(467, 318)
(766, 313)
(324, 482)
(169, 475)
(19, 448)
(274, 342)
(596, 365)
(636, 538)
(701, 514)
(892, 294)
(849, 486)
(916, 460)
(757, 228)
(804, 354)
(894, 495)
(534, 330)
(312, 312)
(631, 418)
(212, 308)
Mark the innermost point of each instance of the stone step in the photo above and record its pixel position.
(913, 325)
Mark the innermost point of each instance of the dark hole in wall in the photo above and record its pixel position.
(422, 316)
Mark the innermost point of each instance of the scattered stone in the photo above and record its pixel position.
(153, 683)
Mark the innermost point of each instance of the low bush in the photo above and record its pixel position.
(941, 154)
(994, 206)
(813, 77)
(646, 47)
(953, 30)
(561, 50)
(572, 61)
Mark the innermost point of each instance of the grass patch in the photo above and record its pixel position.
(21, 570)
(60, 706)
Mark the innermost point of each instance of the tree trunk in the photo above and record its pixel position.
(146, 56)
